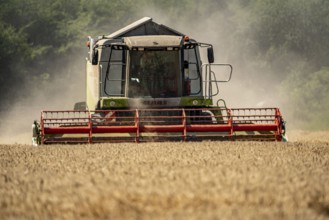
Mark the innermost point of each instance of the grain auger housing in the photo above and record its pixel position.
(147, 82)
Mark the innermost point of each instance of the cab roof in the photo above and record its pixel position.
(142, 27)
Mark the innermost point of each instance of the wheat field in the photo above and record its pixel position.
(204, 180)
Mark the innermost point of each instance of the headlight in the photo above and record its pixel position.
(195, 102)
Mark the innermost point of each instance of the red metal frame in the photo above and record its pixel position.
(161, 124)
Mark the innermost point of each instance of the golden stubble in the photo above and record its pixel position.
(205, 180)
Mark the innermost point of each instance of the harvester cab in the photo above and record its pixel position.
(147, 82)
(154, 71)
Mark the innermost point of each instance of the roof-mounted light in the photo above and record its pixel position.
(88, 43)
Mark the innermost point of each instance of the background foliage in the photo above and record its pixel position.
(280, 48)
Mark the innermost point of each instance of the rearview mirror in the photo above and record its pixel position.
(210, 53)
(94, 60)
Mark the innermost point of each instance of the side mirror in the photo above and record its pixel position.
(210, 53)
(94, 60)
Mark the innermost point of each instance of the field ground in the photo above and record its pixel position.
(206, 180)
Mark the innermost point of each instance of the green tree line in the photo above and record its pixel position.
(284, 42)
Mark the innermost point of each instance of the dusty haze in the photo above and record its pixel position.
(68, 86)
(59, 94)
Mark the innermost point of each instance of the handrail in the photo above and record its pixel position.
(210, 77)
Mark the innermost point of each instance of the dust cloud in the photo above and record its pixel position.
(251, 86)
(59, 93)
(247, 88)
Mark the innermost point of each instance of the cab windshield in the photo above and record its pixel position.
(154, 73)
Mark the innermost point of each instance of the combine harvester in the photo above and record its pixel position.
(147, 82)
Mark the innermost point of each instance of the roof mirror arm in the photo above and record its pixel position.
(210, 52)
